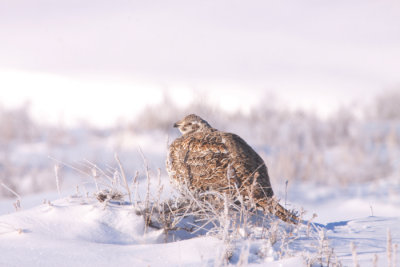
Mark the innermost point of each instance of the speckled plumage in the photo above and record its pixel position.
(204, 158)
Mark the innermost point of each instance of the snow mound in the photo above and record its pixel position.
(83, 220)
(80, 231)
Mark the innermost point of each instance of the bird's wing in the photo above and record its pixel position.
(200, 160)
(248, 166)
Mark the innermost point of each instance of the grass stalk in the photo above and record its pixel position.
(56, 171)
(123, 177)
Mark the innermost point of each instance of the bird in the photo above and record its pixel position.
(205, 159)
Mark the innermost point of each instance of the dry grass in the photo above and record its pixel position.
(235, 222)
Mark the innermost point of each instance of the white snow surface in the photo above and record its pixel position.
(80, 231)
(75, 232)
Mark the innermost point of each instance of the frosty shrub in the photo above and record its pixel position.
(386, 107)
(227, 217)
(301, 146)
(296, 145)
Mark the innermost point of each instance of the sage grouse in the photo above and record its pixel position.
(204, 159)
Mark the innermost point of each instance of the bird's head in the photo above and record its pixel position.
(191, 124)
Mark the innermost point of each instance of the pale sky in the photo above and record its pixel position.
(100, 60)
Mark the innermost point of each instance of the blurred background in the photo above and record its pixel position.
(313, 86)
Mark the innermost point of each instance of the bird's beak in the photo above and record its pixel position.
(176, 125)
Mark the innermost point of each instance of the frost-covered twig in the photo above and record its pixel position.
(12, 191)
(17, 204)
(56, 170)
(354, 253)
(123, 177)
(135, 185)
(389, 248)
(375, 261)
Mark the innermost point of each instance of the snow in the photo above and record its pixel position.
(77, 230)
(369, 236)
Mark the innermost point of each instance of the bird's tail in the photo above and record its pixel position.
(275, 208)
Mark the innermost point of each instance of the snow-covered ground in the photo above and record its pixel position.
(75, 229)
